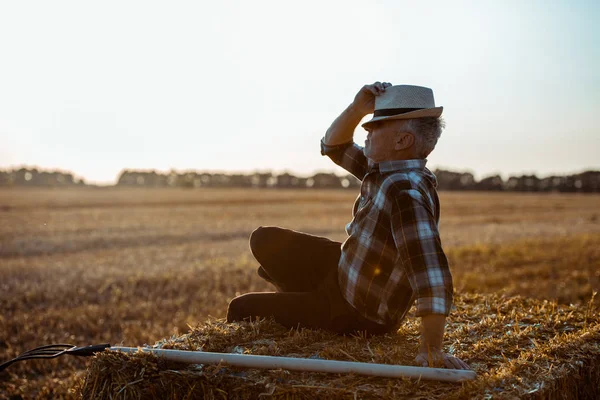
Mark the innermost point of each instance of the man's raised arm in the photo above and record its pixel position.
(338, 144)
(342, 129)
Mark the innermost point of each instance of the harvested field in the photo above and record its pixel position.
(136, 266)
(519, 347)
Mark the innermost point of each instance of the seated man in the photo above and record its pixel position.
(393, 255)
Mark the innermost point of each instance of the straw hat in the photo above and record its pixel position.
(404, 102)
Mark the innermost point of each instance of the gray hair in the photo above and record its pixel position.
(426, 131)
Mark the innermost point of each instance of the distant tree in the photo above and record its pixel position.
(492, 183)
(448, 180)
(261, 180)
(5, 178)
(525, 183)
(22, 176)
(588, 182)
(324, 180)
(286, 181)
(126, 178)
(151, 179)
(240, 180)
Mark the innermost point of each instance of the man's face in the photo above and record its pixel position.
(381, 143)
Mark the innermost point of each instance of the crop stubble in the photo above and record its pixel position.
(135, 266)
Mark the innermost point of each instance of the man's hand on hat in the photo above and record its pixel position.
(364, 101)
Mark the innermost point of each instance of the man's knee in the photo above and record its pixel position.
(256, 238)
(261, 240)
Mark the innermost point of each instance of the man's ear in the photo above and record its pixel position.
(404, 140)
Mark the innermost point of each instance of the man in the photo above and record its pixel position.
(393, 255)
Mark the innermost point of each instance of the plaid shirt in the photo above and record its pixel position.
(393, 255)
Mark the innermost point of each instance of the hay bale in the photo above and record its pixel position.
(519, 347)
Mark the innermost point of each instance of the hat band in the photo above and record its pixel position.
(386, 112)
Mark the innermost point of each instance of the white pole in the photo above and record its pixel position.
(307, 364)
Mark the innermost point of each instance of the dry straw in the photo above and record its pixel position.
(520, 348)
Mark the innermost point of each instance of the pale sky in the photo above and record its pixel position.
(96, 87)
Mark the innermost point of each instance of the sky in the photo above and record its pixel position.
(241, 86)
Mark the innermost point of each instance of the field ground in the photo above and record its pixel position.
(135, 266)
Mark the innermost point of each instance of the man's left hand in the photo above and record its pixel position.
(438, 359)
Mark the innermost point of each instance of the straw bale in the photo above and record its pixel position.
(520, 348)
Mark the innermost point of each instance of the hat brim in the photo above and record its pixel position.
(426, 112)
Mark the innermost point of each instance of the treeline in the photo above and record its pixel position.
(585, 182)
(35, 177)
(193, 179)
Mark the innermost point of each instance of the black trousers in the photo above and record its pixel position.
(303, 267)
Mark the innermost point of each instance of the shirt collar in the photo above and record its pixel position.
(398, 165)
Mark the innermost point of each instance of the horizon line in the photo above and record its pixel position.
(277, 171)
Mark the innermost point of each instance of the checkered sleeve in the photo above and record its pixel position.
(417, 240)
(348, 156)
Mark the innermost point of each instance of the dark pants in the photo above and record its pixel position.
(304, 269)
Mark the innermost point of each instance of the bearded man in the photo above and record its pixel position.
(393, 256)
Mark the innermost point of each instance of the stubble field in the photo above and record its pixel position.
(136, 266)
